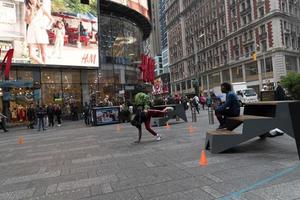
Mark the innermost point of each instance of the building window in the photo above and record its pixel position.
(178, 87)
(183, 85)
(205, 84)
(51, 76)
(261, 12)
(214, 80)
(226, 75)
(237, 74)
(25, 75)
(291, 63)
(251, 71)
(267, 72)
(189, 84)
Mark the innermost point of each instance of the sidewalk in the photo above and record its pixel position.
(91, 163)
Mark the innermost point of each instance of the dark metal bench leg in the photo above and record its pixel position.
(295, 118)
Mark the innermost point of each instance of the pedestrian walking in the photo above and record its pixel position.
(2, 122)
(202, 101)
(195, 102)
(50, 113)
(31, 117)
(86, 113)
(40, 114)
(57, 111)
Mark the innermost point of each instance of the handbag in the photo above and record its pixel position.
(135, 123)
(137, 120)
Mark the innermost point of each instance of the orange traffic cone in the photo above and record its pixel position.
(191, 129)
(119, 128)
(21, 140)
(168, 126)
(203, 160)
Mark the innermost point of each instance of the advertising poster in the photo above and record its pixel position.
(107, 115)
(49, 32)
(140, 6)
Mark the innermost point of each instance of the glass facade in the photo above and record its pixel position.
(121, 45)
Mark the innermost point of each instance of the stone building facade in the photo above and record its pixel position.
(214, 41)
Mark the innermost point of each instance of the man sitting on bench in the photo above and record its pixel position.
(231, 107)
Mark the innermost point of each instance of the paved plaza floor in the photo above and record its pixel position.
(78, 162)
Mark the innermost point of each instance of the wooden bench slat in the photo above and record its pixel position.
(245, 117)
(221, 132)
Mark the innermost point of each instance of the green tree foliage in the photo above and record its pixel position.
(292, 83)
(74, 6)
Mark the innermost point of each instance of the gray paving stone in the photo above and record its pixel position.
(95, 190)
(72, 195)
(284, 191)
(100, 163)
(86, 182)
(18, 194)
(106, 188)
(212, 191)
(193, 194)
(90, 159)
(51, 189)
(31, 177)
(18, 162)
(39, 191)
(122, 195)
(169, 187)
(214, 178)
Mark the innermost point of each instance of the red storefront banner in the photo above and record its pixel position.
(7, 58)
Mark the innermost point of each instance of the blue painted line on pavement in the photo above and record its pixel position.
(261, 182)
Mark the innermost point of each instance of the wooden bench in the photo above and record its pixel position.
(258, 119)
(178, 110)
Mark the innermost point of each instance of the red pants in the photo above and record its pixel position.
(152, 113)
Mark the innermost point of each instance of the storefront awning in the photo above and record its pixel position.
(16, 84)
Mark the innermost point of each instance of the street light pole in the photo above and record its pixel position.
(99, 46)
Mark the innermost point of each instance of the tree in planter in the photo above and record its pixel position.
(292, 83)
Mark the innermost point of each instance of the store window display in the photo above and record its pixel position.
(20, 99)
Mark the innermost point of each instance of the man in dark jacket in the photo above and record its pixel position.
(86, 113)
(231, 107)
(50, 113)
(40, 114)
(31, 116)
(279, 93)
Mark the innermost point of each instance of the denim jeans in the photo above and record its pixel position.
(41, 124)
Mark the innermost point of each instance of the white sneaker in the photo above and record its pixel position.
(158, 138)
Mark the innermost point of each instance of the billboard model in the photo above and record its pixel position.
(49, 32)
(140, 6)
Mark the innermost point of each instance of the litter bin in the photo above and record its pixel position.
(210, 116)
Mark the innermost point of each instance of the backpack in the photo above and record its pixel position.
(202, 100)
